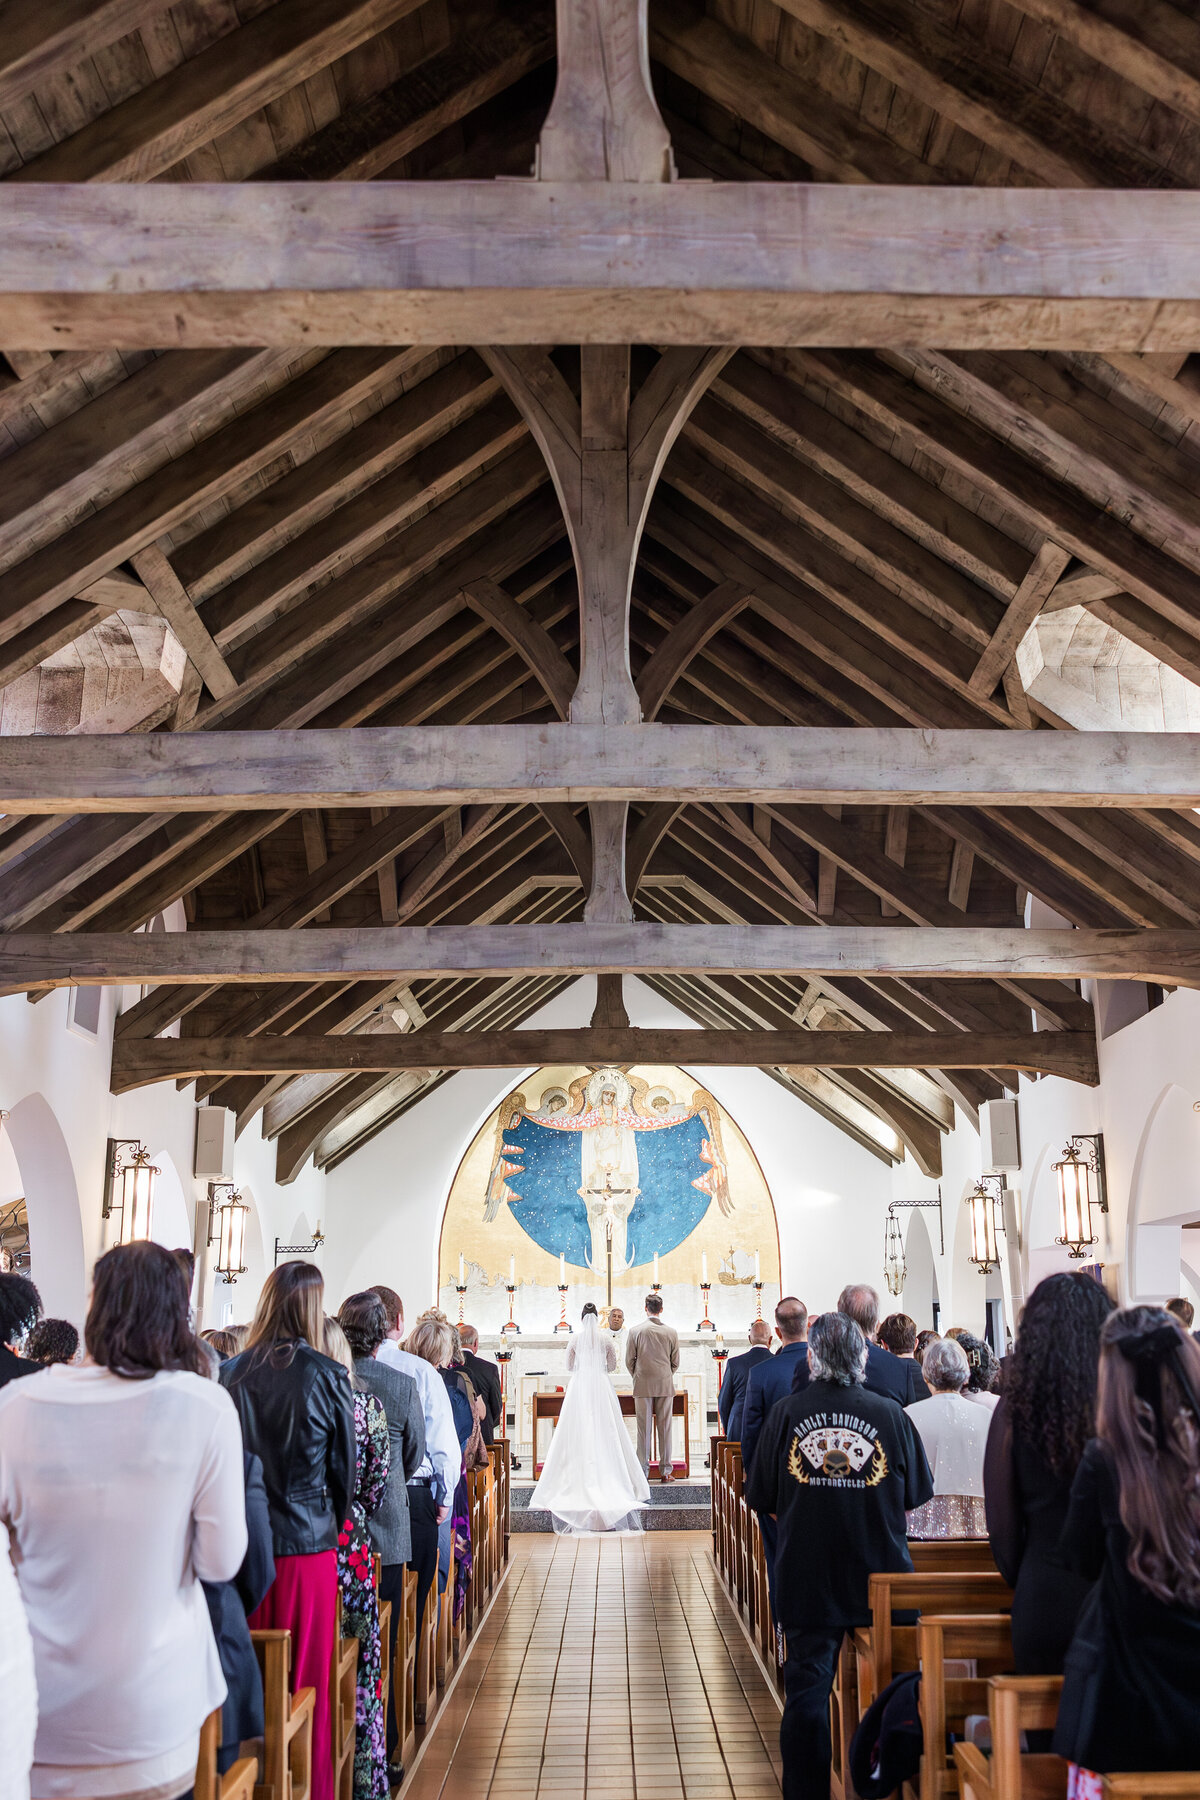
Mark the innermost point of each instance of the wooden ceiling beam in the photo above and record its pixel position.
(1148, 43)
(242, 71)
(200, 957)
(44, 38)
(176, 263)
(454, 764)
(137, 1061)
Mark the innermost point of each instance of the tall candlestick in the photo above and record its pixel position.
(703, 1267)
(757, 1267)
(656, 1268)
(462, 1280)
(562, 1269)
(512, 1268)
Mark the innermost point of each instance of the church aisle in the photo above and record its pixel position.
(609, 1669)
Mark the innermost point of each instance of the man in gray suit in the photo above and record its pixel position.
(652, 1357)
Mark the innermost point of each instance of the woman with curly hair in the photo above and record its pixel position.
(20, 1309)
(1132, 1673)
(1045, 1417)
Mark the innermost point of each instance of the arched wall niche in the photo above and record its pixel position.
(1164, 1196)
(920, 1284)
(699, 1192)
(52, 1199)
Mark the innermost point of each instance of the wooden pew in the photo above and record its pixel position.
(405, 1674)
(843, 1719)
(1167, 1784)
(385, 1635)
(963, 1554)
(288, 1718)
(884, 1649)
(948, 1700)
(1016, 1703)
(238, 1783)
(343, 1683)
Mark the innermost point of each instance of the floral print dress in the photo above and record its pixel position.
(360, 1601)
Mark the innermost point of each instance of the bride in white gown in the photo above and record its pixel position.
(591, 1479)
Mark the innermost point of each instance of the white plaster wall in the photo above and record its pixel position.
(54, 1087)
(386, 1202)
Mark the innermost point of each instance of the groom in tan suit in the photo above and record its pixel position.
(652, 1357)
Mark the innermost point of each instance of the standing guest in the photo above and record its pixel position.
(1183, 1310)
(773, 1379)
(652, 1357)
(837, 1467)
(954, 1435)
(298, 1418)
(1132, 1675)
(230, 1604)
(1045, 1417)
(485, 1378)
(52, 1341)
(898, 1333)
(364, 1321)
(924, 1339)
(223, 1342)
(121, 1486)
(435, 1340)
(18, 1714)
(356, 1577)
(20, 1309)
(431, 1488)
(732, 1397)
(984, 1371)
(899, 1379)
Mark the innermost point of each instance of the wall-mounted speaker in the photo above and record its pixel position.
(214, 1143)
(999, 1138)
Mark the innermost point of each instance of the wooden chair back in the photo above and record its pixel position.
(288, 1722)
(237, 1783)
(948, 1700)
(966, 1555)
(1016, 1703)
(885, 1650)
(343, 1684)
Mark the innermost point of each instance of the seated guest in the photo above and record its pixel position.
(485, 1378)
(898, 1333)
(838, 1468)
(1045, 1417)
(20, 1309)
(924, 1339)
(732, 1397)
(984, 1371)
(356, 1577)
(1132, 1673)
(297, 1417)
(954, 1434)
(1183, 1310)
(121, 1486)
(899, 1379)
(363, 1319)
(52, 1341)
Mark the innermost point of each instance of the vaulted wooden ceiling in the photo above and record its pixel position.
(232, 539)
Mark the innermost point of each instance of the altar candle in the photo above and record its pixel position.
(703, 1267)
(562, 1269)
(757, 1267)
(656, 1268)
(512, 1271)
(462, 1280)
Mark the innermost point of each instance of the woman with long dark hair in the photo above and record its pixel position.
(298, 1416)
(121, 1484)
(1131, 1693)
(1045, 1417)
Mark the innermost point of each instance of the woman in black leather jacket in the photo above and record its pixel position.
(297, 1417)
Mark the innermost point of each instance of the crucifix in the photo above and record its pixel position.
(603, 1201)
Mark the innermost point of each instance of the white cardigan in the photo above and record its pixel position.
(120, 1496)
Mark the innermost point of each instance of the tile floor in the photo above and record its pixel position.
(608, 1669)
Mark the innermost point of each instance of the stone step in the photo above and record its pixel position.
(662, 1494)
(654, 1518)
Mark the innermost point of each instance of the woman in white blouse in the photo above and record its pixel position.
(954, 1432)
(121, 1487)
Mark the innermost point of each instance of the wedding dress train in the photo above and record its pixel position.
(591, 1479)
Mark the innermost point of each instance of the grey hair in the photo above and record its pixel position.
(945, 1366)
(837, 1350)
(861, 1303)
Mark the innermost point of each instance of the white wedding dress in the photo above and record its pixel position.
(591, 1479)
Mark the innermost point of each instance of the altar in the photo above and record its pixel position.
(539, 1366)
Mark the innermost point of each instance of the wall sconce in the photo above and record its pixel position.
(987, 1195)
(229, 1220)
(1075, 1173)
(895, 1268)
(135, 1175)
(281, 1249)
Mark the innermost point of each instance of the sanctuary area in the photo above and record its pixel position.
(599, 899)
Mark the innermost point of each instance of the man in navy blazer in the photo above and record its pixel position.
(775, 1378)
(737, 1373)
(899, 1378)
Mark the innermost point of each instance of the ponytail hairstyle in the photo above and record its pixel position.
(1148, 1413)
(289, 1311)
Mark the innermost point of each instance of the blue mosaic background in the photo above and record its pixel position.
(551, 1212)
